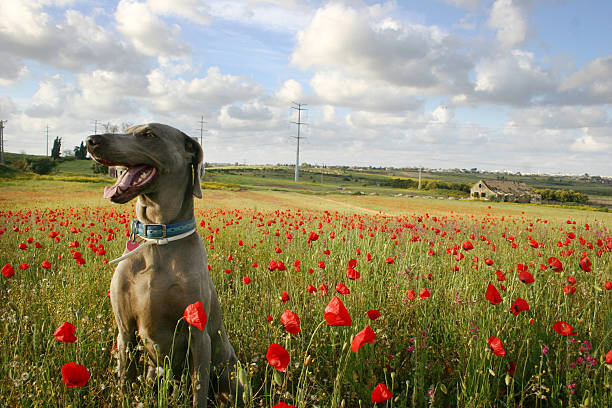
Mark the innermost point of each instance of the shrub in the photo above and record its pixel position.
(41, 166)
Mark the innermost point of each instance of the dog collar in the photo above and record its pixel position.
(157, 234)
(160, 231)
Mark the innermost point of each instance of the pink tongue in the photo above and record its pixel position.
(123, 182)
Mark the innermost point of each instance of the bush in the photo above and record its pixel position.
(99, 168)
(41, 166)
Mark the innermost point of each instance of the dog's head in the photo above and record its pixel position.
(149, 158)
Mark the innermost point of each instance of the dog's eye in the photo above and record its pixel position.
(147, 134)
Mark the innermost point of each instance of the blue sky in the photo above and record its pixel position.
(520, 85)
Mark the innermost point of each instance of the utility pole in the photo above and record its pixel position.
(202, 130)
(2, 122)
(95, 126)
(420, 178)
(298, 107)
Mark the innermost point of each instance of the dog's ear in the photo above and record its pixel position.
(197, 164)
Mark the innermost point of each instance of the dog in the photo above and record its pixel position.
(159, 275)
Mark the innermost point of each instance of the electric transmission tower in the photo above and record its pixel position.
(298, 107)
(202, 130)
(2, 122)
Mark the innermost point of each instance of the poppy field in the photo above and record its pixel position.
(326, 306)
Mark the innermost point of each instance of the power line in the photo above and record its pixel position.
(298, 107)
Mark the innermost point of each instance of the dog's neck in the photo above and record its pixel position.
(155, 208)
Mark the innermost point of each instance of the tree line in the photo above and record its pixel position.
(563, 196)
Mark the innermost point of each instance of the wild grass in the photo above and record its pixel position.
(430, 351)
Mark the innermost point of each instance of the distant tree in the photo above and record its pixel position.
(110, 127)
(57, 145)
(41, 166)
(99, 168)
(80, 152)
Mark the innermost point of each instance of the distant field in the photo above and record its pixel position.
(440, 300)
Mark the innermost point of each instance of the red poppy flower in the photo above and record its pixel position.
(373, 314)
(563, 328)
(352, 263)
(46, 264)
(283, 405)
(467, 245)
(323, 289)
(312, 237)
(489, 261)
(285, 297)
(278, 357)
(321, 264)
(425, 293)
(569, 290)
(291, 321)
(368, 257)
(381, 393)
(272, 266)
(510, 367)
(311, 289)
(555, 264)
(8, 271)
(65, 333)
(493, 295)
(519, 305)
(24, 266)
(571, 280)
(608, 285)
(342, 289)
(246, 280)
(269, 318)
(75, 375)
(336, 314)
(609, 357)
(411, 294)
(500, 275)
(23, 245)
(585, 263)
(194, 315)
(496, 346)
(367, 335)
(352, 273)
(526, 277)
(389, 260)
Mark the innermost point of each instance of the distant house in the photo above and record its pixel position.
(501, 190)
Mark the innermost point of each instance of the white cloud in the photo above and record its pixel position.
(11, 70)
(149, 34)
(588, 144)
(513, 78)
(194, 10)
(51, 98)
(507, 18)
(332, 87)
(291, 90)
(589, 85)
(27, 32)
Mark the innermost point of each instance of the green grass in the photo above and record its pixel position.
(427, 351)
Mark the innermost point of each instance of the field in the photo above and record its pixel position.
(481, 304)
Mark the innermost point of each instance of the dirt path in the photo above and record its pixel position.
(355, 207)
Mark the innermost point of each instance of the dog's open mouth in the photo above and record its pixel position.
(130, 182)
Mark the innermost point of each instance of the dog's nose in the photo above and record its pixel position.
(93, 141)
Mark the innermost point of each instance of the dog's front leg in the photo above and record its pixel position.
(200, 367)
(126, 365)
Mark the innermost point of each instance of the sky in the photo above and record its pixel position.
(517, 85)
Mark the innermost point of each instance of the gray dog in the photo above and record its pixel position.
(164, 266)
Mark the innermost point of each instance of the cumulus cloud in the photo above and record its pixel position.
(51, 98)
(507, 18)
(513, 78)
(194, 10)
(149, 34)
(589, 85)
(28, 32)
